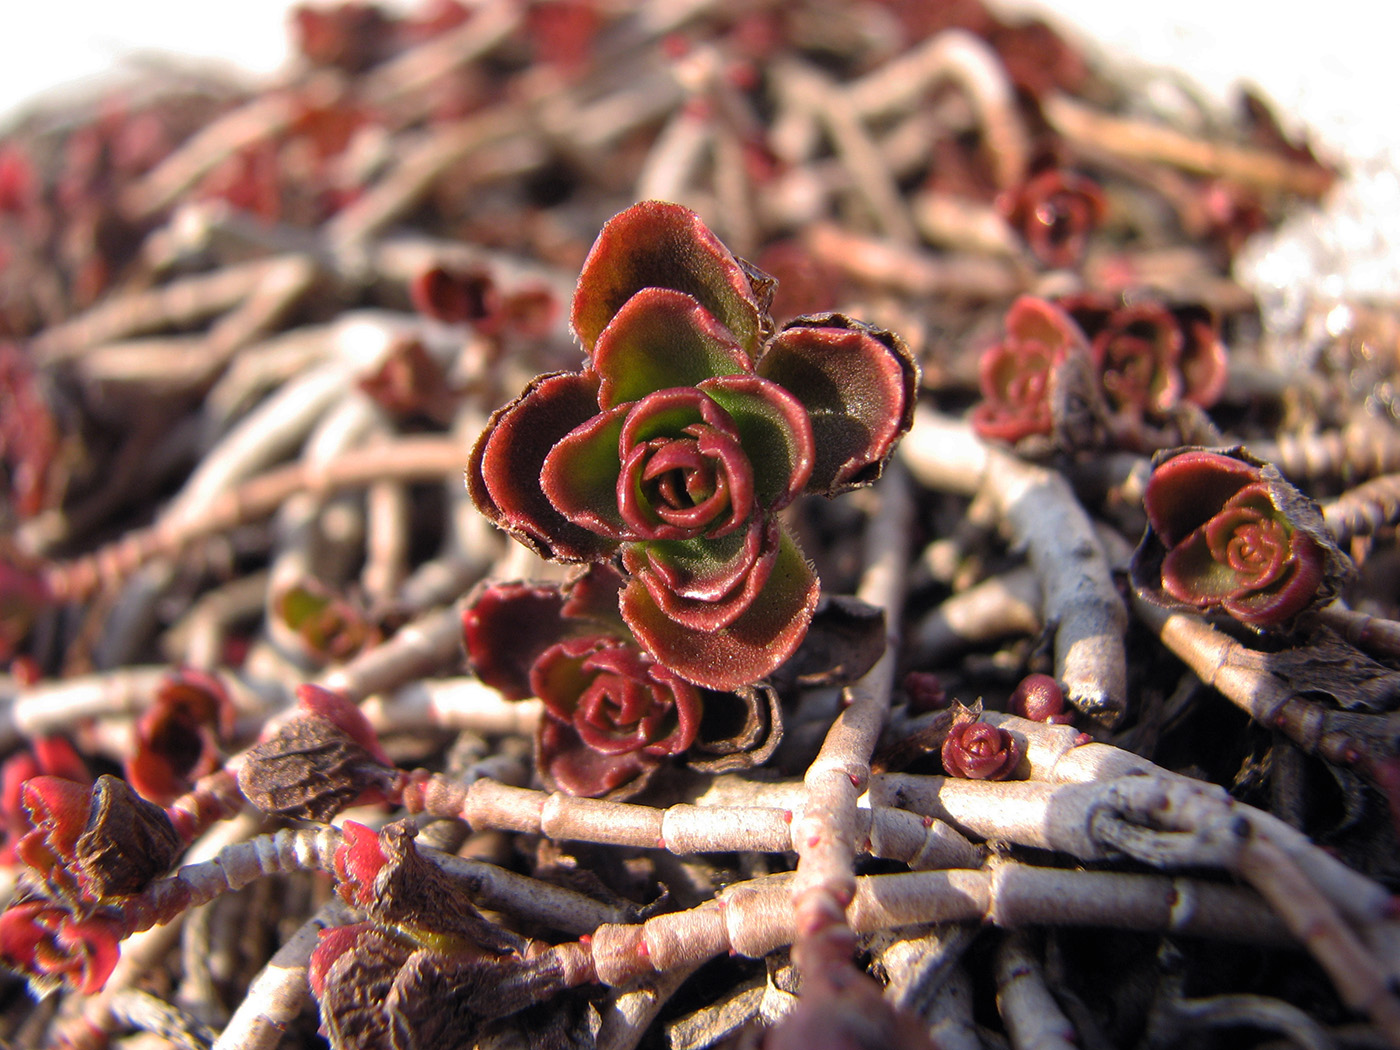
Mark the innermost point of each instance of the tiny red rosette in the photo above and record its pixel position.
(1056, 211)
(977, 750)
(613, 715)
(1015, 374)
(1227, 533)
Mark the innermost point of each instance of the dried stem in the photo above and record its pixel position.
(1361, 450)
(424, 647)
(681, 829)
(1159, 144)
(911, 271)
(52, 707)
(1364, 510)
(968, 61)
(754, 918)
(279, 992)
(1243, 677)
(419, 166)
(996, 608)
(453, 703)
(1042, 514)
(143, 952)
(1374, 634)
(1033, 1019)
(405, 459)
(805, 86)
(1362, 984)
(259, 119)
(180, 304)
(825, 836)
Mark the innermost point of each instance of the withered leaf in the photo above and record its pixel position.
(413, 891)
(357, 984)
(845, 639)
(128, 841)
(309, 770)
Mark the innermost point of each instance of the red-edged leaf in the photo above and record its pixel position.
(573, 767)
(706, 584)
(748, 649)
(1187, 490)
(503, 474)
(579, 476)
(858, 385)
(505, 627)
(656, 244)
(775, 433)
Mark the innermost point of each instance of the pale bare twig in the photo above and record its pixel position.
(279, 992)
(805, 86)
(996, 608)
(1242, 676)
(968, 61)
(825, 835)
(1043, 516)
(911, 271)
(1364, 510)
(1361, 983)
(1360, 450)
(452, 703)
(181, 303)
(754, 918)
(410, 459)
(1269, 172)
(1375, 634)
(1033, 1019)
(681, 829)
(426, 646)
(259, 119)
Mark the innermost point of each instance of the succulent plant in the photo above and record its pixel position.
(978, 750)
(1150, 356)
(690, 427)
(1226, 532)
(613, 715)
(1015, 373)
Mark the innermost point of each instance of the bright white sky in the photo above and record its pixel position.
(1330, 63)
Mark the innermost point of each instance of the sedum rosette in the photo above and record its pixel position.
(1151, 357)
(1226, 532)
(690, 427)
(1015, 374)
(1136, 370)
(612, 714)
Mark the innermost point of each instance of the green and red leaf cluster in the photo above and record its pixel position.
(691, 425)
(613, 715)
(1226, 532)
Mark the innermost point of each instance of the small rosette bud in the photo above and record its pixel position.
(979, 750)
(1039, 698)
